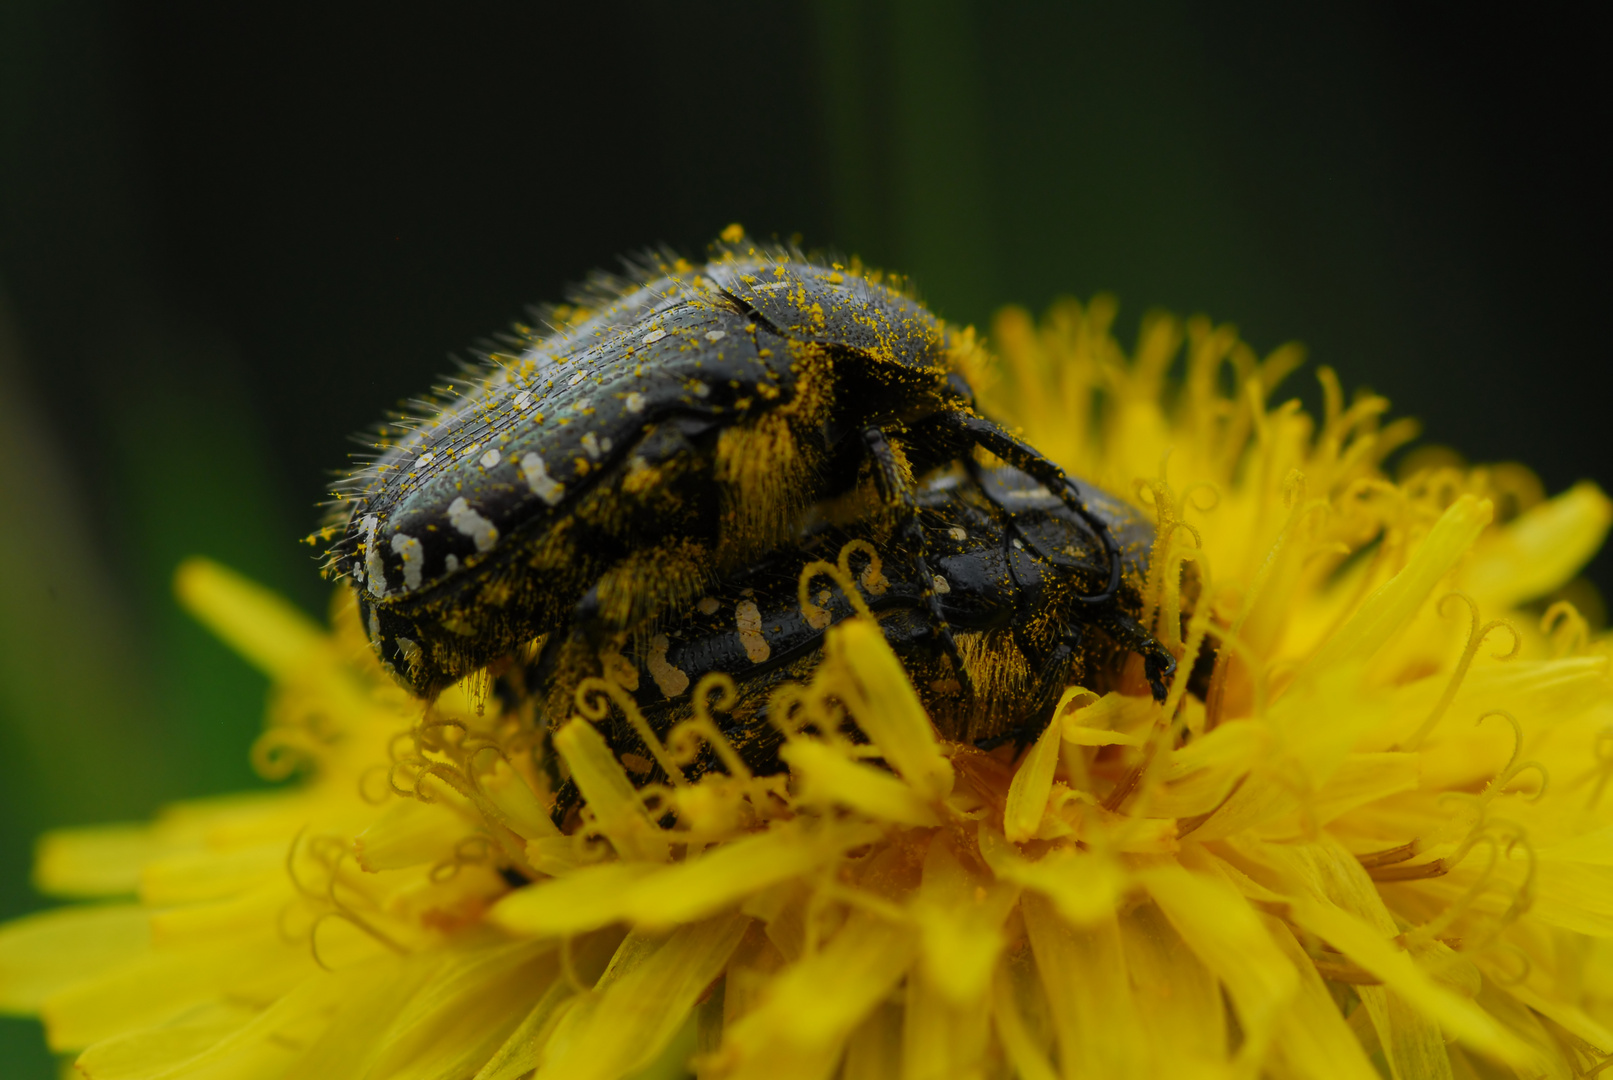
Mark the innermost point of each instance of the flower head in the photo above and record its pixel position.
(1378, 842)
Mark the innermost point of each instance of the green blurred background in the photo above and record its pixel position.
(232, 236)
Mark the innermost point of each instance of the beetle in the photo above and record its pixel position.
(1010, 564)
(670, 427)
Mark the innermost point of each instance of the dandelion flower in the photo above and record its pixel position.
(1381, 844)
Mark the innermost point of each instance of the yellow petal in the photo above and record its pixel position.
(1391, 607)
(1391, 965)
(98, 861)
(1089, 996)
(1541, 549)
(1178, 998)
(616, 806)
(960, 913)
(511, 794)
(258, 624)
(874, 1051)
(650, 895)
(464, 1012)
(1410, 1039)
(221, 921)
(940, 1035)
(210, 875)
(42, 954)
(409, 833)
(235, 1042)
(159, 985)
(1359, 780)
(1225, 932)
(810, 1008)
(523, 1051)
(643, 999)
(1083, 886)
(825, 777)
(1312, 1039)
(886, 708)
(374, 994)
(167, 1051)
(1026, 1051)
(1032, 784)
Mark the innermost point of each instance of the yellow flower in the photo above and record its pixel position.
(1382, 844)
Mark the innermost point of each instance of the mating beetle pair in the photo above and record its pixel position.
(1010, 565)
(671, 432)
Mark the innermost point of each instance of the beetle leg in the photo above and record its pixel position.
(1027, 459)
(1158, 662)
(897, 490)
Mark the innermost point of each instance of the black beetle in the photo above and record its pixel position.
(1010, 567)
(673, 427)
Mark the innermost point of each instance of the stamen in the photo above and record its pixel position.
(370, 794)
(1388, 856)
(468, 851)
(1513, 768)
(872, 577)
(1567, 629)
(1604, 767)
(1475, 638)
(1293, 494)
(278, 753)
(594, 698)
(1198, 628)
(683, 742)
(1525, 965)
(843, 580)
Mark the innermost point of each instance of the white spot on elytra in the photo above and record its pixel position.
(472, 524)
(423, 460)
(634, 402)
(699, 389)
(522, 400)
(716, 335)
(491, 458)
(942, 586)
(773, 286)
(374, 568)
(538, 479)
(414, 558)
(748, 618)
(957, 534)
(653, 336)
(577, 378)
(1017, 545)
(591, 445)
(451, 563)
(708, 605)
(671, 681)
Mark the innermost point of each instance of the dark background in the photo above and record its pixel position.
(230, 238)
